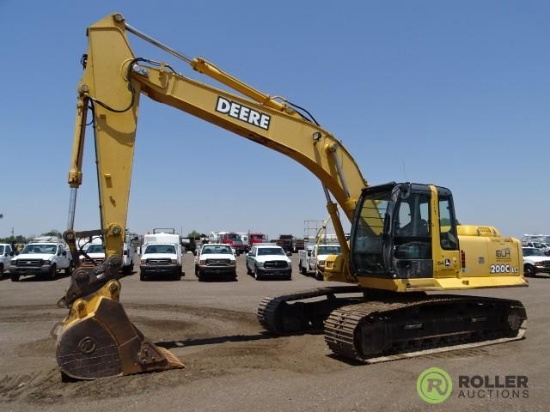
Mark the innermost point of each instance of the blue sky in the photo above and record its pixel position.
(451, 93)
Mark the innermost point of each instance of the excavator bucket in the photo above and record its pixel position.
(97, 340)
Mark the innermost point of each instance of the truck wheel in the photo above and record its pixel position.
(529, 271)
(1, 270)
(52, 273)
(318, 275)
(257, 275)
(142, 277)
(127, 270)
(302, 269)
(14, 277)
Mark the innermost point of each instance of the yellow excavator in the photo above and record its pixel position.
(406, 247)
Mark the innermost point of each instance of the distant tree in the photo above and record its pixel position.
(10, 239)
(194, 235)
(52, 232)
(134, 237)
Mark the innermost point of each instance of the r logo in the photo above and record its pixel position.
(434, 385)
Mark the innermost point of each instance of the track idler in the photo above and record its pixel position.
(97, 340)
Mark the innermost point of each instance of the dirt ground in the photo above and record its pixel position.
(232, 365)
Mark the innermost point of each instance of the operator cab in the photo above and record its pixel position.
(396, 228)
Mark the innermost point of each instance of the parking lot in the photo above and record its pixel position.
(231, 365)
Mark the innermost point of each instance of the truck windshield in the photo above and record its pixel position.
(532, 252)
(329, 250)
(95, 249)
(224, 250)
(270, 251)
(160, 249)
(50, 249)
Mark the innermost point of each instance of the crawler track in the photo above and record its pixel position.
(290, 314)
(372, 329)
(373, 332)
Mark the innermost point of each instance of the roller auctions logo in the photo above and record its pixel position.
(434, 385)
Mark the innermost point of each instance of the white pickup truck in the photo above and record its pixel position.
(312, 258)
(6, 255)
(42, 258)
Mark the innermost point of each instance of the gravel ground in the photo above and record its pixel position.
(231, 365)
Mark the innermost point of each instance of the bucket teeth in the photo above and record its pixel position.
(173, 361)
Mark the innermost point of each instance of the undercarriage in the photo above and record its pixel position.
(372, 326)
